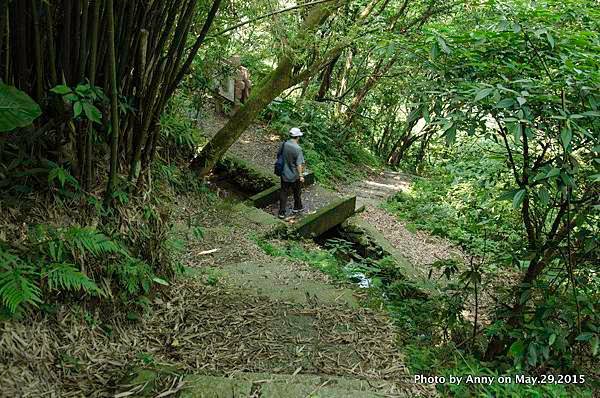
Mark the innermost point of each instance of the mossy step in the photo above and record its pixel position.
(284, 281)
(268, 385)
(215, 387)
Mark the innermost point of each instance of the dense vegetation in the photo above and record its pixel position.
(494, 105)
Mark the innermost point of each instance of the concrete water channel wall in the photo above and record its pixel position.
(261, 191)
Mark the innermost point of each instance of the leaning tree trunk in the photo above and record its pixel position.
(281, 79)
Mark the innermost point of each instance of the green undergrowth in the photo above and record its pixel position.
(321, 260)
(462, 199)
(329, 154)
(432, 330)
(62, 244)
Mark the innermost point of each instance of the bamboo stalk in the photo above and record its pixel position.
(66, 48)
(3, 32)
(92, 76)
(114, 109)
(6, 17)
(37, 39)
(51, 46)
(83, 45)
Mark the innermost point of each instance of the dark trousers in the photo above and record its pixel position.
(286, 187)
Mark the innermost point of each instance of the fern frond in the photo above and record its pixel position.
(66, 276)
(18, 283)
(133, 275)
(87, 240)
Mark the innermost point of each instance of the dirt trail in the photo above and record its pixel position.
(420, 248)
(259, 146)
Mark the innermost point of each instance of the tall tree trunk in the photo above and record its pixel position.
(344, 80)
(326, 80)
(380, 69)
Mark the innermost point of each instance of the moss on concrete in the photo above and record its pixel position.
(326, 218)
(281, 281)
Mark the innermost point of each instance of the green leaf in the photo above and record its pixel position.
(484, 92)
(77, 108)
(505, 103)
(160, 281)
(552, 339)
(565, 136)
(550, 40)
(435, 51)
(518, 198)
(61, 90)
(450, 135)
(71, 97)
(553, 172)
(544, 196)
(92, 113)
(595, 342)
(516, 349)
(443, 45)
(532, 355)
(17, 109)
(586, 336)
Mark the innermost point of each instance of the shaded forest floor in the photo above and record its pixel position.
(237, 310)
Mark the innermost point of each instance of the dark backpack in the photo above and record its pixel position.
(279, 162)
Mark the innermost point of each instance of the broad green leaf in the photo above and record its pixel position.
(443, 45)
(591, 113)
(550, 40)
(61, 90)
(160, 281)
(518, 198)
(586, 336)
(552, 339)
(484, 92)
(516, 349)
(566, 136)
(505, 103)
(553, 172)
(92, 113)
(544, 196)
(532, 355)
(426, 114)
(77, 108)
(17, 109)
(435, 51)
(595, 342)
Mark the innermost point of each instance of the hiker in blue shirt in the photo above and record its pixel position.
(290, 167)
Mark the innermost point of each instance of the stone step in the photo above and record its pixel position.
(268, 385)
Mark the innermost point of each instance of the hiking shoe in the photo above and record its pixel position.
(281, 216)
(297, 211)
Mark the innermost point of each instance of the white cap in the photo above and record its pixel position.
(295, 132)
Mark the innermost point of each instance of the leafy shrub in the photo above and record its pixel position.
(328, 154)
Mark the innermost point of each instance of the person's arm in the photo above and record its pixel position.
(300, 165)
(301, 172)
